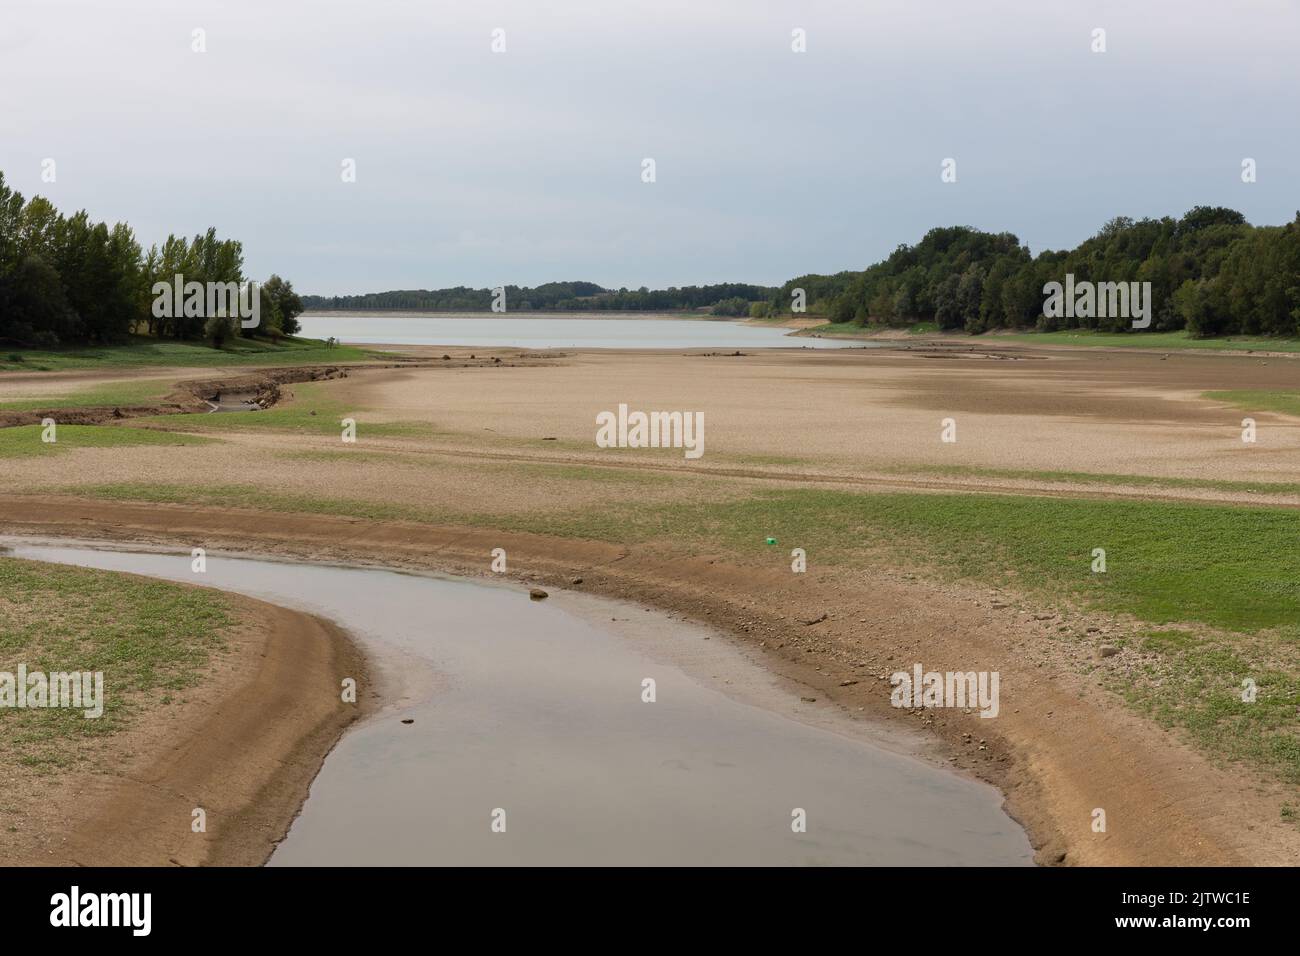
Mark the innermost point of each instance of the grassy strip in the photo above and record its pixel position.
(1092, 478)
(254, 496)
(143, 351)
(1169, 341)
(1153, 340)
(774, 460)
(544, 470)
(351, 455)
(612, 476)
(25, 441)
(854, 330)
(125, 392)
(1230, 567)
(1284, 403)
(150, 639)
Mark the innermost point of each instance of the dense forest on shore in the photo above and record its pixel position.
(66, 280)
(1211, 273)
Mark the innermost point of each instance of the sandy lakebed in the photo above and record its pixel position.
(493, 449)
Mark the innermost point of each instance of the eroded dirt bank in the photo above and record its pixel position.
(1060, 748)
(261, 386)
(197, 395)
(244, 747)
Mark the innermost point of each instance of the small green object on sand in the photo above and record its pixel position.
(771, 540)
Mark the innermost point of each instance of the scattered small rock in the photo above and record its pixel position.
(814, 620)
(1108, 650)
(847, 683)
(809, 700)
(408, 720)
(537, 594)
(577, 580)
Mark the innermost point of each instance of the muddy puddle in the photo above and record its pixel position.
(234, 401)
(532, 713)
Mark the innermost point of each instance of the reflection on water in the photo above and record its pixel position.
(545, 332)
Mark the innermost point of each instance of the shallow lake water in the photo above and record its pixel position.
(535, 708)
(552, 332)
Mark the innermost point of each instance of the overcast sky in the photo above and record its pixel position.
(482, 168)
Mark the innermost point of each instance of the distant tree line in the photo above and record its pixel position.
(1211, 273)
(551, 297)
(65, 279)
(68, 280)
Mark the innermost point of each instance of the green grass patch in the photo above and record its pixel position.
(24, 441)
(151, 640)
(1231, 567)
(1196, 682)
(1284, 403)
(110, 393)
(144, 351)
(312, 411)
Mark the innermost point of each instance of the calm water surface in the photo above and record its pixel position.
(548, 332)
(535, 708)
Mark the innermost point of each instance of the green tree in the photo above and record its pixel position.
(285, 303)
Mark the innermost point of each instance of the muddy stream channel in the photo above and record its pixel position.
(532, 713)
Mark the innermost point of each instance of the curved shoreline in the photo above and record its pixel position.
(1056, 753)
(244, 747)
(921, 811)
